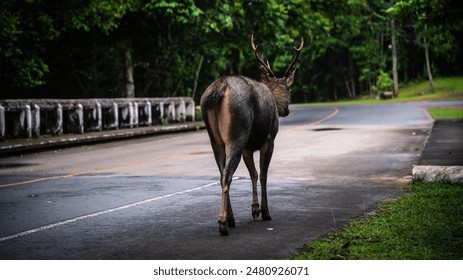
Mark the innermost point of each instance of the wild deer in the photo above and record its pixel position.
(241, 117)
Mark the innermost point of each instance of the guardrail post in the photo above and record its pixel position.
(26, 117)
(180, 111)
(135, 120)
(35, 120)
(2, 122)
(157, 113)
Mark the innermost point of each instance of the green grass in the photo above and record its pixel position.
(446, 113)
(447, 88)
(426, 223)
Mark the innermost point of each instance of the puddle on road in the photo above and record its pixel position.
(326, 129)
(15, 165)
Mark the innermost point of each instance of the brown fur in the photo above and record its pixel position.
(282, 98)
(241, 117)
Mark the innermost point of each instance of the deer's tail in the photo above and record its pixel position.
(213, 95)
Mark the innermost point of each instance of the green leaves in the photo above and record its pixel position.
(384, 82)
(103, 15)
(73, 47)
(181, 12)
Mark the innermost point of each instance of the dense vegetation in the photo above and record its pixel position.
(112, 48)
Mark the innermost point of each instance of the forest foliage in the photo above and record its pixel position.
(95, 48)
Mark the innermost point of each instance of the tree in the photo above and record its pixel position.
(395, 72)
(428, 27)
(33, 27)
(21, 53)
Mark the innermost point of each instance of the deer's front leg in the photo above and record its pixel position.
(249, 161)
(265, 157)
(230, 216)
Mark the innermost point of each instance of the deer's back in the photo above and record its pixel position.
(246, 106)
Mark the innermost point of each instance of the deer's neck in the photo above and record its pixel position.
(282, 98)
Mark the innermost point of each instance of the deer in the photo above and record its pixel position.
(241, 117)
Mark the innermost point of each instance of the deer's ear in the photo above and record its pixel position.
(264, 74)
(290, 79)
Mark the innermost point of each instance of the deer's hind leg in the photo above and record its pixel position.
(226, 217)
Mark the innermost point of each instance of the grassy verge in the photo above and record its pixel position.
(447, 88)
(446, 113)
(427, 223)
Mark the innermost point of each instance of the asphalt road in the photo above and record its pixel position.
(159, 197)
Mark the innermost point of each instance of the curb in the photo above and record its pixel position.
(431, 173)
(441, 159)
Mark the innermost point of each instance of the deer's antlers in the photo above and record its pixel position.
(298, 52)
(265, 65)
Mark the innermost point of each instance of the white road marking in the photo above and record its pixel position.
(108, 211)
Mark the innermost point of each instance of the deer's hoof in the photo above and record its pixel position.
(223, 228)
(231, 223)
(266, 216)
(255, 211)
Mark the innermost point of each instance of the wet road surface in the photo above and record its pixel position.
(159, 197)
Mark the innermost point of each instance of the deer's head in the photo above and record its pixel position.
(280, 87)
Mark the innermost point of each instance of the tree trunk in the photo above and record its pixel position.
(353, 85)
(352, 77)
(346, 82)
(126, 85)
(177, 88)
(197, 77)
(395, 73)
(428, 64)
(370, 88)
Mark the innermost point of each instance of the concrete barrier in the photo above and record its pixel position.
(33, 117)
